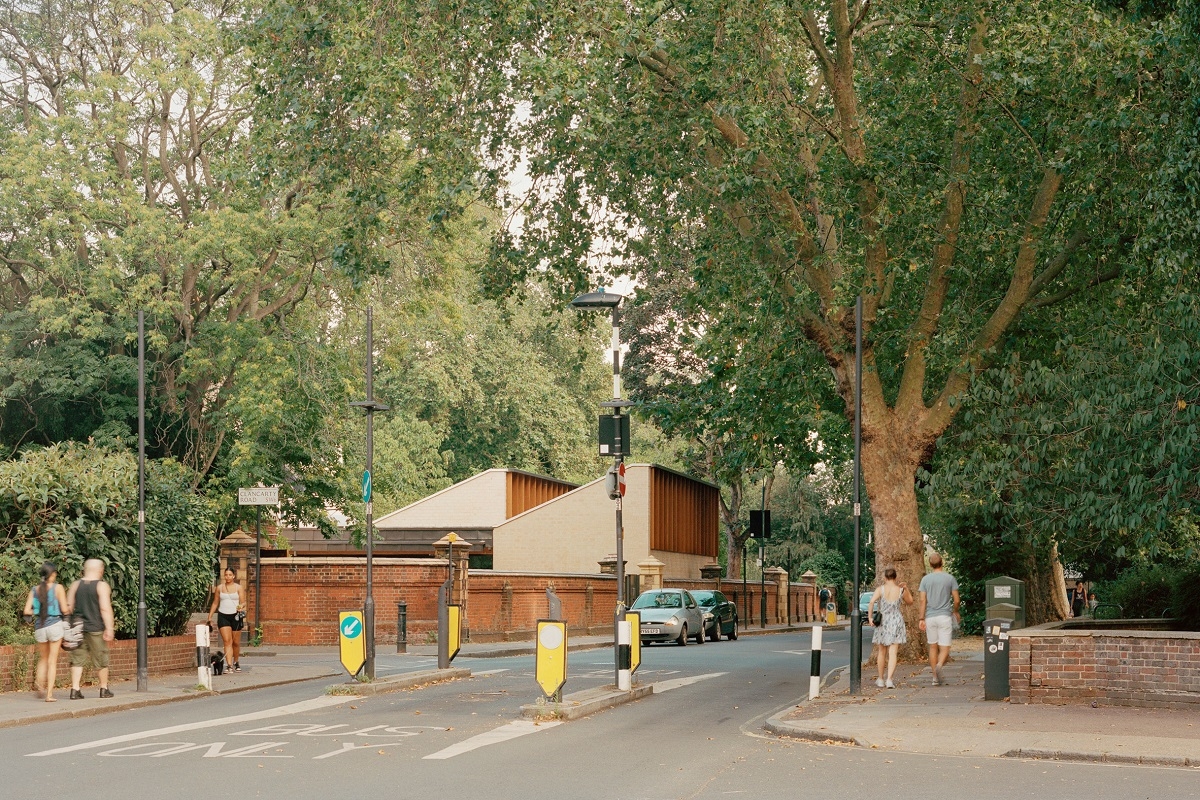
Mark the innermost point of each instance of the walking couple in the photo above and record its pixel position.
(938, 611)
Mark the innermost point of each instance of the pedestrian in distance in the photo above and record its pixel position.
(229, 604)
(1078, 600)
(891, 632)
(939, 614)
(47, 604)
(91, 598)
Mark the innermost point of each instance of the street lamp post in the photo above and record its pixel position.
(855, 614)
(370, 406)
(622, 635)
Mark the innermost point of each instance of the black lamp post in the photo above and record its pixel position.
(370, 406)
(619, 446)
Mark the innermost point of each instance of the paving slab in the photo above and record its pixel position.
(954, 719)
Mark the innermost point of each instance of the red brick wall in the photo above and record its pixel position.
(804, 599)
(165, 654)
(1153, 669)
(302, 598)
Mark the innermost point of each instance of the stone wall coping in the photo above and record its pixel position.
(1057, 630)
(352, 560)
(589, 575)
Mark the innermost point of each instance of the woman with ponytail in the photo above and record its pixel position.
(47, 604)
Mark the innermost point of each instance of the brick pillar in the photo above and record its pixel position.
(811, 595)
(780, 577)
(237, 551)
(651, 571)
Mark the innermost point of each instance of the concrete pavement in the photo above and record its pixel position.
(954, 719)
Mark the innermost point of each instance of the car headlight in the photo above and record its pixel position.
(708, 615)
(674, 620)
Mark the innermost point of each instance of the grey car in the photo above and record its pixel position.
(669, 615)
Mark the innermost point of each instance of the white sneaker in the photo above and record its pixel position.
(891, 685)
(879, 682)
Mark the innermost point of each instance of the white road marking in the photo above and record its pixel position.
(490, 672)
(793, 652)
(517, 728)
(281, 711)
(666, 686)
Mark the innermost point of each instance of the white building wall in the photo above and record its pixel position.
(477, 502)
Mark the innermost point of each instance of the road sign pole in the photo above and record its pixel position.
(855, 615)
(143, 656)
(257, 571)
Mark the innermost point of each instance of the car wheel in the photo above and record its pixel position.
(733, 631)
(683, 636)
(700, 634)
(645, 643)
(715, 635)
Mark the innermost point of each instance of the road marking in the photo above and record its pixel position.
(281, 711)
(666, 686)
(490, 672)
(793, 652)
(513, 730)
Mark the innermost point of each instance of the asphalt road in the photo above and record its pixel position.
(698, 736)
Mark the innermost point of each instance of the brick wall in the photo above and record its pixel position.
(165, 654)
(302, 597)
(1151, 669)
(803, 607)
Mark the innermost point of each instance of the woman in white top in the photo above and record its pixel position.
(890, 633)
(228, 601)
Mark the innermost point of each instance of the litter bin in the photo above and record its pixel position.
(995, 658)
(1005, 598)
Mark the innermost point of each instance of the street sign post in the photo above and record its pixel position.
(257, 496)
(352, 641)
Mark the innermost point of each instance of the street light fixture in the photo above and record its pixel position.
(622, 635)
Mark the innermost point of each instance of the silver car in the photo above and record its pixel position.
(669, 615)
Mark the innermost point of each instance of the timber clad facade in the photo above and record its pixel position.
(683, 514)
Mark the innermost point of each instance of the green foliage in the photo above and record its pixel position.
(1143, 592)
(1185, 596)
(832, 570)
(72, 502)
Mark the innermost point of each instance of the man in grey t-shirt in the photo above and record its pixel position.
(938, 612)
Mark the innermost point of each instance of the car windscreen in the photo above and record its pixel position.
(705, 598)
(658, 600)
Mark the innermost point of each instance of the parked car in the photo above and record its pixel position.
(669, 615)
(864, 600)
(720, 614)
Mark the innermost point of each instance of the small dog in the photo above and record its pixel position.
(216, 663)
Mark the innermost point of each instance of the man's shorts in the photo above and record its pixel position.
(92, 651)
(938, 630)
(51, 633)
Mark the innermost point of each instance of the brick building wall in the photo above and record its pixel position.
(164, 654)
(1150, 669)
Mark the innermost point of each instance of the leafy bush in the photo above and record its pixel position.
(71, 502)
(1185, 597)
(1144, 592)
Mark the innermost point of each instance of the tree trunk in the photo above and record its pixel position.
(889, 465)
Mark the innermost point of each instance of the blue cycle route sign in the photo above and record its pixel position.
(366, 486)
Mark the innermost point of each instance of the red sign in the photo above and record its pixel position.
(621, 478)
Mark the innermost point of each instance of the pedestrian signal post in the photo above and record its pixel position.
(353, 641)
(550, 668)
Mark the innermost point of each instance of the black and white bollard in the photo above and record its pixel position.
(624, 656)
(814, 679)
(203, 666)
